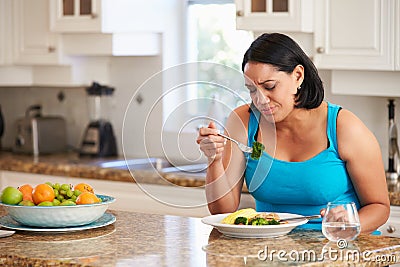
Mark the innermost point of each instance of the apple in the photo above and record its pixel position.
(11, 196)
(45, 203)
(26, 203)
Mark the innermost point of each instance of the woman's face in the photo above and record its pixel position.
(272, 91)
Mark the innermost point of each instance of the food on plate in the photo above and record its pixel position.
(49, 194)
(248, 212)
(258, 148)
(250, 217)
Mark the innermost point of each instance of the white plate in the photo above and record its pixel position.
(253, 231)
(5, 233)
(106, 219)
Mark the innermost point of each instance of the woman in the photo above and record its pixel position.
(315, 152)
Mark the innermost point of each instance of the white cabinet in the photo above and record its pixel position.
(33, 42)
(75, 15)
(275, 15)
(108, 27)
(5, 32)
(355, 35)
(109, 16)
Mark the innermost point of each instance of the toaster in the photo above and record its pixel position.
(40, 135)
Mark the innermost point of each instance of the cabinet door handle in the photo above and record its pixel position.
(93, 16)
(51, 49)
(239, 13)
(391, 229)
(320, 50)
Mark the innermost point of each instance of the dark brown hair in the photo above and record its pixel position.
(285, 54)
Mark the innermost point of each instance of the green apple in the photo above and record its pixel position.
(11, 196)
(67, 203)
(56, 202)
(26, 203)
(46, 203)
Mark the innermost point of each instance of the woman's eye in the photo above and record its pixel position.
(269, 88)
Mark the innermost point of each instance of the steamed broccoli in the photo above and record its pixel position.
(273, 221)
(241, 220)
(263, 221)
(258, 148)
(259, 221)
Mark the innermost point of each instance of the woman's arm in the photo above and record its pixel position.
(360, 150)
(224, 179)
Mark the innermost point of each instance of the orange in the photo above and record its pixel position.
(87, 198)
(26, 191)
(43, 192)
(83, 187)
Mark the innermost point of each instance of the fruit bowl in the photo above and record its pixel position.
(58, 216)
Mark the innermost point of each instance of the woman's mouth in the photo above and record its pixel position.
(267, 110)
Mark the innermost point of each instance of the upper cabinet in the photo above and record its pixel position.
(33, 43)
(108, 16)
(275, 15)
(108, 27)
(5, 33)
(357, 34)
(75, 15)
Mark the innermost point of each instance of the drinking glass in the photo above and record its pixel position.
(341, 221)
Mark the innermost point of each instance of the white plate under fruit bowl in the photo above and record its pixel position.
(253, 231)
(58, 216)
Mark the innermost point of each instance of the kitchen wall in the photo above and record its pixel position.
(126, 75)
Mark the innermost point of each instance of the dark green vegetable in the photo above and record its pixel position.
(258, 148)
(273, 222)
(241, 220)
(259, 221)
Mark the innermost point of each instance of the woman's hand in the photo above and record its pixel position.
(210, 142)
(337, 214)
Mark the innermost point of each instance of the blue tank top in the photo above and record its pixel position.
(299, 187)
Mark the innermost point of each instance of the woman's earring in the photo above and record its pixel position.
(298, 88)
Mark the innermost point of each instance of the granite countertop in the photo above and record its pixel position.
(138, 239)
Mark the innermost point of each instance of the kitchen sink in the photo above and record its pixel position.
(155, 164)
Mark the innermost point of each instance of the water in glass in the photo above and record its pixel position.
(341, 221)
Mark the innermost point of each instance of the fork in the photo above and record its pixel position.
(243, 147)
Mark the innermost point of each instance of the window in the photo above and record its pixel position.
(213, 39)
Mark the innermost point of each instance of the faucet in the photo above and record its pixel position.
(393, 164)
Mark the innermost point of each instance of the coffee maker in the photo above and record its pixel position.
(99, 139)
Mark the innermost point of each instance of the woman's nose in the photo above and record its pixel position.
(261, 98)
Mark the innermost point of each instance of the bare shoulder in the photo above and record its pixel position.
(348, 124)
(353, 136)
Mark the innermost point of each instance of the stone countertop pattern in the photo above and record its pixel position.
(138, 239)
